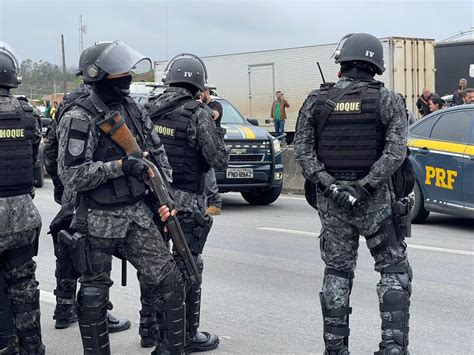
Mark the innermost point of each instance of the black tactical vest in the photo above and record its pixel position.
(187, 162)
(353, 137)
(17, 130)
(123, 190)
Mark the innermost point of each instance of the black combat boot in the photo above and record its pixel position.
(197, 341)
(116, 325)
(65, 313)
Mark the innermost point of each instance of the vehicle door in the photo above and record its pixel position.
(418, 143)
(468, 169)
(445, 158)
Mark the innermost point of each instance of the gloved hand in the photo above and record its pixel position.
(133, 166)
(348, 195)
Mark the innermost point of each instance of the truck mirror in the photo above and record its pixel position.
(252, 121)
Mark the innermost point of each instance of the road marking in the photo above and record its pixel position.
(412, 246)
(48, 297)
(283, 196)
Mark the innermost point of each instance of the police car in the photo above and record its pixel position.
(442, 153)
(255, 166)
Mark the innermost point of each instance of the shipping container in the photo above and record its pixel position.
(453, 60)
(250, 80)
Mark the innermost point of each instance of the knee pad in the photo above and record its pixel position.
(171, 290)
(92, 301)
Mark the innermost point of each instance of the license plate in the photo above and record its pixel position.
(239, 173)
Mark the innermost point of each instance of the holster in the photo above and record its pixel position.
(201, 231)
(402, 217)
(78, 249)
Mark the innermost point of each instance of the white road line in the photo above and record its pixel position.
(412, 246)
(283, 196)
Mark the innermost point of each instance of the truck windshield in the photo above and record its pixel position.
(230, 115)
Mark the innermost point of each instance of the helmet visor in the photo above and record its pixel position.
(119, 58)
(10, 52)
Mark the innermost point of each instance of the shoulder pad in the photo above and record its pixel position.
(25, 104)
(22, 98)
(192, 105)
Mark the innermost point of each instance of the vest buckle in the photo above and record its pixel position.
(330, 104)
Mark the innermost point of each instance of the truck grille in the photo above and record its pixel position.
(246, 157)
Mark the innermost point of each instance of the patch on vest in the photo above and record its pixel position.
(75, 147)
(165, 131)
(348, 107)
(12, 134)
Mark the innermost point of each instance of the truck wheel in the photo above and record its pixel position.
(418, 213)
(38, 176)
(262, 197)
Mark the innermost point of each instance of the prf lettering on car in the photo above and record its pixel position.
(443, 178)
(347, 107)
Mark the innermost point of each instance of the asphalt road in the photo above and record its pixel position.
(263, 274)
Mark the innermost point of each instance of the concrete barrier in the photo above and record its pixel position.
(293, 181)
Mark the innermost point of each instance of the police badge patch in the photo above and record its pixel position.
(77, 142)
(75, 147)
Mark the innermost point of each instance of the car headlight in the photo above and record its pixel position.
(276, 146)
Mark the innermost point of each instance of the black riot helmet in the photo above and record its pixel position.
(111, 58)
(360, 47)
(10, 64)
(186, 68)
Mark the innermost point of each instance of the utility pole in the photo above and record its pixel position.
(64, 65)
(82, 30)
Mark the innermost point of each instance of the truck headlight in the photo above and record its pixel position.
(276, 146)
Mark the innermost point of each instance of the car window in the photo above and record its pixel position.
(470, 140)
(453, 127)
(422, 129)
(230, 115)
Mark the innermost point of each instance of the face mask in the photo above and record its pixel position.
(113, 89)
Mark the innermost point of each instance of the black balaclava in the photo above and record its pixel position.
(358, 71)
(113, 90)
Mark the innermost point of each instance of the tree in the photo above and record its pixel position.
(43, 78)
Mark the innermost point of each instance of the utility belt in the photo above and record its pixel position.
(401, 212)
(196, 232)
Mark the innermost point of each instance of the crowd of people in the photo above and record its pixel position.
(429, 102)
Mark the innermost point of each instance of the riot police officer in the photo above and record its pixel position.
(112, 213)
(66, 275)
(20, 221)
(193, 144)
(350, 140)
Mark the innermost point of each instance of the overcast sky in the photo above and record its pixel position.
(160, 29)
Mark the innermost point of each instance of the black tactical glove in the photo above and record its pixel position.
(133, 166)
(348, 195)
